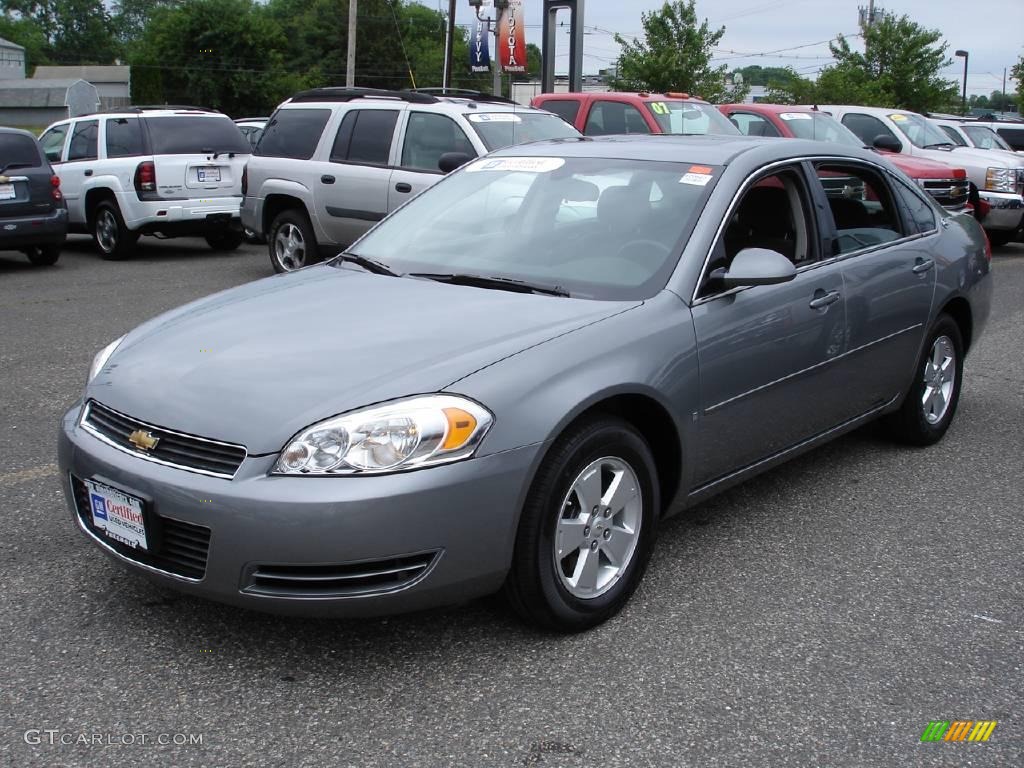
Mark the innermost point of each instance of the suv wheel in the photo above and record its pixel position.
(292, 243)
(226, 240)
(113, 239)
(43, 255)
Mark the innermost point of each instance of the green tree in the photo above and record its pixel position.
(1018, 73)
(83, 33)
(27, 33)
(673, 55)
(132, 16)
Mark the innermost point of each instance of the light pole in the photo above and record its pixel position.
(963, 99)
(499, 6)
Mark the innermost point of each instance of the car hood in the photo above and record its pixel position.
(969, 156)
(255, 364)
(921, 167)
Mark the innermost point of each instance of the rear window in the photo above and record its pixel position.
(188, 135)
(18, 150)
(293, 133)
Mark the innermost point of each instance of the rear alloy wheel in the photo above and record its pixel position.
(292, 243)
(43, 255)
(113, 239)
(931, 403)
(225, 240)
(587, 529)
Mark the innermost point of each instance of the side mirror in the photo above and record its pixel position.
(887, 143)
(451, 160)
(756, 266)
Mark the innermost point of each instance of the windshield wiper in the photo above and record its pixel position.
(370, 265)
(499, 283)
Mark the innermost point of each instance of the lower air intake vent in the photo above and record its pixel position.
(339, 580)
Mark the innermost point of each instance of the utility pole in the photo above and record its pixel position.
(449, 46)
(1002, 105)
(350, 65)
(496, 59)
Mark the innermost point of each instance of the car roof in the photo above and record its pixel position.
(627, 96)
(17, 132)
(774, 109)
(875, 111)
(442, 99)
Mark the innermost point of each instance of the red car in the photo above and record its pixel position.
(601, 114)
(947, 185)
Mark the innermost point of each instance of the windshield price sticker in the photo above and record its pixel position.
(522, 164)
(660, 108)
(897, 118)
(697, 178)
(796, 116)
(496, 117)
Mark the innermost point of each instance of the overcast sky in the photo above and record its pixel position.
(993, 34)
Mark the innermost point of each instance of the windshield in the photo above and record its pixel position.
(820, 127)
(986, 138)
(187, 135)
(503, 129)
(593, 227)
(687, 117)
(921, 132)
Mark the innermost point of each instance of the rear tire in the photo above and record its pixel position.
(227, 240)
(113, 239)
(43, 255)
(291, 241)
(587, 528)
(931, 402)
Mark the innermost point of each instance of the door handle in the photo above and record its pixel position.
(923, 265)
(89, 172)
(403, 187)
(325, 179)
(822, 300)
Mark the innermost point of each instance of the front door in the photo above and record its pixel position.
(79, 165)
(427, 137)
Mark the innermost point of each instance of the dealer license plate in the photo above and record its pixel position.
(6, 191)
(117, 514)
(208, 174)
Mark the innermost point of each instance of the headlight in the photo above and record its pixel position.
(417, 432)
(101, 358)
(1000, 179)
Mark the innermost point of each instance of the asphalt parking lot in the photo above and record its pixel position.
(820, 615)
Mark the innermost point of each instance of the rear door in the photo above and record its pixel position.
(425, 138)
(196, 155)
(351, 188)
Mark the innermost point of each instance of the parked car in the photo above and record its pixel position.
(947, 185)
(1012, 132)
(969, 134)
(163, 171)
(499, 384)
(33, 216)
(252, 128)
(603, 113)
(998, 180)
(333, 161)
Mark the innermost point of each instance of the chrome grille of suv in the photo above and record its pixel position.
(951, 194)
(195, 454)
(343, 580)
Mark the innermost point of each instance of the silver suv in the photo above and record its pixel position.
(333, 161)
(150, 171)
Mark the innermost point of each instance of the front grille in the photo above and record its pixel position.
(196, 454)
(951, 194)
(346, 580)
(174, 546)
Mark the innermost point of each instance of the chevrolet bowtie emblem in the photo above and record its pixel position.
(144, 441)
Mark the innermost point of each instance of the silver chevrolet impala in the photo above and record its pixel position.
(511, 380)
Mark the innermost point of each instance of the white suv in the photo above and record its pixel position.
(163, 171)
(333, 161)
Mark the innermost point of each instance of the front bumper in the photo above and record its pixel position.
(27, 231)
(464, 514)
(1007, 210)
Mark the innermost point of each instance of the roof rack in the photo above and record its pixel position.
(348, 94)
(465, 93)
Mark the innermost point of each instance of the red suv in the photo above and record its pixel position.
(948, 186)
(600, 113)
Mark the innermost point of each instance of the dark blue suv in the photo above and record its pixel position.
(33, 214)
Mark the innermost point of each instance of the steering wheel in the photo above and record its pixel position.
(643, 249)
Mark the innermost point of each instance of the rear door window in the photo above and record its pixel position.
(293, 133)
(84, 140)
(124, 137)
(920, 210)
(18, 151)
(195, 135)
(567, 109)
(863, 209)
(365, 136)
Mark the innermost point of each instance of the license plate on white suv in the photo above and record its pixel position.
(208, 174)
(117, 514)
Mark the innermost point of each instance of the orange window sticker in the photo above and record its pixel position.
(700, 169)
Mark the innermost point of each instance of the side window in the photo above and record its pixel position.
(567, 109)
(611, 117)
(1014, 137)
(371, 136)
(293, 133)
(83, 141)
(919, 210)
(124, 137)
(862, 206)
(428, 136)
(953, 135)
(867, 128)
(52, 142)
(753, 125)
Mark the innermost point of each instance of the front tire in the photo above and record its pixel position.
(43, 255)
(291, 243)
(112, 237)
(931, 402)
(587, 528)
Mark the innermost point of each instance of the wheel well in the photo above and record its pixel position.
(275, 204)
(657, 428)
(93, 198)
(960, 311)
